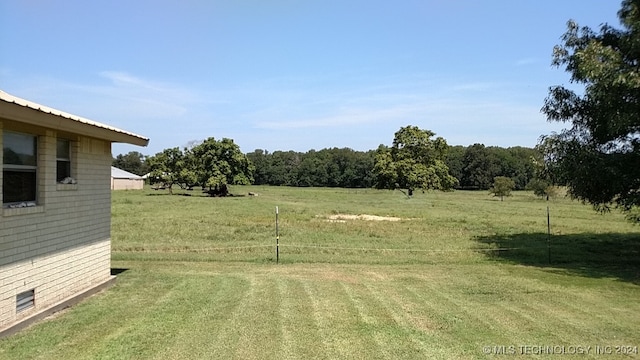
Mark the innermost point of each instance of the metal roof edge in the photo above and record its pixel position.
(48, 110)
(118, 173)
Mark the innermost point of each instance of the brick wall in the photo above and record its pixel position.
(61, 247)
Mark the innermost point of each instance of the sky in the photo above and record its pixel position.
(294, 74)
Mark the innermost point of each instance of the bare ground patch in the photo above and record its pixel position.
(346, 217)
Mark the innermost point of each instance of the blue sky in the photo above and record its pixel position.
(292, 74)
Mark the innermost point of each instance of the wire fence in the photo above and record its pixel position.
(302, 249)
(364, 249)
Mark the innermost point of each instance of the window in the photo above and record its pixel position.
(19, 169)
(25, 300)
(63, 160)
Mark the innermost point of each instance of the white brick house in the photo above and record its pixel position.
(55, 219)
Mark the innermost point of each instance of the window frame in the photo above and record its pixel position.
(66, 160)
(20, 168)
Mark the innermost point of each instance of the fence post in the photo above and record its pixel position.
(277, 239)
(548, 232)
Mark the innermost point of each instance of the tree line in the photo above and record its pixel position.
(474, 166)
(336, 167)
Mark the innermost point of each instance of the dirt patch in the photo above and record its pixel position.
(344, 217)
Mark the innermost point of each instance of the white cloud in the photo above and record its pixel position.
(492, 113)
(123, 100)
(526, 61)
(480, 86)
(345, 117)
(121, 78)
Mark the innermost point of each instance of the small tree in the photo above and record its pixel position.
(543, 188)
(502, 186)
(538, 186)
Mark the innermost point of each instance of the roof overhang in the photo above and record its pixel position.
(24, 111)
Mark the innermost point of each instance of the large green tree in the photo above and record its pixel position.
(261, 161)
(480, 166)
(219, 163)
(283, 167)
(516, 163)
(168, 168)
(414, 161)
(455, 161)
(598, 157)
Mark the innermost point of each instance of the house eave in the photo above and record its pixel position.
(20, 110)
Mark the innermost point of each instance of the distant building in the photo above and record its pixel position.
(123, 180)
(55, 220)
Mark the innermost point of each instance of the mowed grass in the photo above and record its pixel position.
(461, 276)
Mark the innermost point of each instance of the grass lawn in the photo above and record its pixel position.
(460, 275)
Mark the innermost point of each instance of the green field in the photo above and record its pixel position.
(461, 275)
